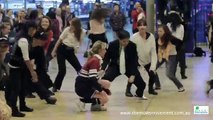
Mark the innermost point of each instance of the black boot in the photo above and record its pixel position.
(183, 71)
(51, 100)
(153, 92)
(25, 109)
(183, 76)
(16, 112)
(128, 90)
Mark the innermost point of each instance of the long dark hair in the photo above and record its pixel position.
(175, 21)
(76, 23)
(33, 15)
(166, 37)
(51, 15)
(40, 27)
(24, 32)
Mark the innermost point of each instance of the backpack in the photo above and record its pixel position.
(199, 52)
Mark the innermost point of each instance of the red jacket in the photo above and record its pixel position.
(49, 39)
(134, 15)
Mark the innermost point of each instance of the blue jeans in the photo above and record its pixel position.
(171, 68)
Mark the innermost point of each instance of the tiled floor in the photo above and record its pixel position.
(171, 104)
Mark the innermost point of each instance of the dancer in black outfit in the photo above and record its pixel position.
(19, 65)
(121, 58)
(66, 47)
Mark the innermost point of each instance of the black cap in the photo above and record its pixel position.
(41, 36)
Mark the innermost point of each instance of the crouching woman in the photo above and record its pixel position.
(89, 86)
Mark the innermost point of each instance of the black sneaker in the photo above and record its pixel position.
(153, 92)
(128, 94)
(51, 100)
(183, 76)
(26, 109)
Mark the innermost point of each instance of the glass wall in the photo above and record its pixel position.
(80, 7)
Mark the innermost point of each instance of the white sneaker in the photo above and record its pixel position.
(81, 106)
(181, 89)
(144, 98)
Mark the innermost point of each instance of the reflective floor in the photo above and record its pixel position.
(168, 105)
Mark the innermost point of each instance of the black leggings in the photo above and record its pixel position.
(95, 37)
(65, 53)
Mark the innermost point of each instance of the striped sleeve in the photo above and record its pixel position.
(93, 68)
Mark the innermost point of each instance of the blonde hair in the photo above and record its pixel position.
(98, 45)
(137, 4)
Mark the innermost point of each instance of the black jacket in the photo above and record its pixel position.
(113, 54)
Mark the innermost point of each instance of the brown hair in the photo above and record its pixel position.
(142, 22)
(100, 13)
(50, 26)
(3, 26)
(167, 35)
(76, 23)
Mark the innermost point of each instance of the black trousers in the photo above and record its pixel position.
(113, 71)
(15, 87)
(65, 53)
(153, 78)
(41, 90)
(182, 60)
(38, 87)
(38, 55)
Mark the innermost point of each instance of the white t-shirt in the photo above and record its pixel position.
(23, 44)
(179, 33)
(69, 39)
(146, 49)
